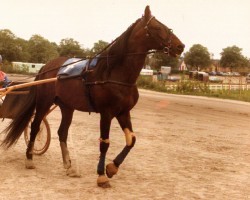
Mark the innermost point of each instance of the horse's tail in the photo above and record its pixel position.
(21, 121)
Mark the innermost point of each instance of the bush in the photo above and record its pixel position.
(192, 87)
(147, 83)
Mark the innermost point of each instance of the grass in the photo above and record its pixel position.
(190, 87)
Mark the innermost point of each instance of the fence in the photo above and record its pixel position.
(229, 87)
(226, 83)
(215, 87)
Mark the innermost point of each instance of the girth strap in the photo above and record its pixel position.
(92, 83)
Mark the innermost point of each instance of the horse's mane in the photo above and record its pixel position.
(115, 52)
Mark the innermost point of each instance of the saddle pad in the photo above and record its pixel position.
(75, 66)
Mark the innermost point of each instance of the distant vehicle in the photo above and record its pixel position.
(227, 74)
(165, 71)
(248, 78)
(173, 78)
(215, 79)
(147, 72)
(235, 74)
(213, 73)
(219, 73)
(201, 76)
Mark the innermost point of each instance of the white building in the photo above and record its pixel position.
(29, 67)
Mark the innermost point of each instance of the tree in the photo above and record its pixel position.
(71, 48)
(41, 50)
(232, 58)
(98, 47)
(160, 59)
(9, 46)
(198, 57)
(23, 46)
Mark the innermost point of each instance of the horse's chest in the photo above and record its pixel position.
(118, 100)
(127, 100)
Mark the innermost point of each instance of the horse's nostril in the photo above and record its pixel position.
(181, 47)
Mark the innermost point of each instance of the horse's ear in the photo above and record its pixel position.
(147, 13)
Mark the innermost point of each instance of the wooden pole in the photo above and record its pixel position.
(6, 90)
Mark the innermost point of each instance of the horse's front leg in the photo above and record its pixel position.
(105, 123)
(66, 120)
(125, 123)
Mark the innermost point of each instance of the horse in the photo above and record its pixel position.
(108, 89)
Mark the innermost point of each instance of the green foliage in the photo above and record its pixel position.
(241, 95)
(9, 47)
(192, 87)
(41, 50)
(147, 83)
(98, 47)
(232, 57)
(24, 52)
(198, 57)
(7, 67)
(71, 48)
(158, 59)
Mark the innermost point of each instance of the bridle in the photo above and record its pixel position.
(166, 48)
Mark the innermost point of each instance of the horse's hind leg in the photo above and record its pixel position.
(125, 123)
(67, 115)
(35, 127)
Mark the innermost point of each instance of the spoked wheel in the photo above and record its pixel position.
(43, 137)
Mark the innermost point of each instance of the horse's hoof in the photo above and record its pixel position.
(67, 164)
(72, 173)
(103, 182)
(111, 170)
(29, 164)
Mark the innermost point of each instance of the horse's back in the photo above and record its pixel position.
(51, 69)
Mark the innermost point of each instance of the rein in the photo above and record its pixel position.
(100, 57)
(110, 81)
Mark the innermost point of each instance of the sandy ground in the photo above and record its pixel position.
(187, 148)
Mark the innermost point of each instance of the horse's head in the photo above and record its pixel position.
(158, 36)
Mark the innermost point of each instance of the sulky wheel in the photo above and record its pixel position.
(43, 137)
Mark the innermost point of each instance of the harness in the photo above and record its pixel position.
(166, 47)
(149, 33)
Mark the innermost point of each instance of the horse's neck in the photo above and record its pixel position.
(129, 70)
(127, 65)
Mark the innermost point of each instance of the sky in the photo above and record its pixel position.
(215, 24)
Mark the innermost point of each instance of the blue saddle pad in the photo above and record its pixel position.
(75, 67)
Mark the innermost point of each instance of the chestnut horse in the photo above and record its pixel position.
(109, 89)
